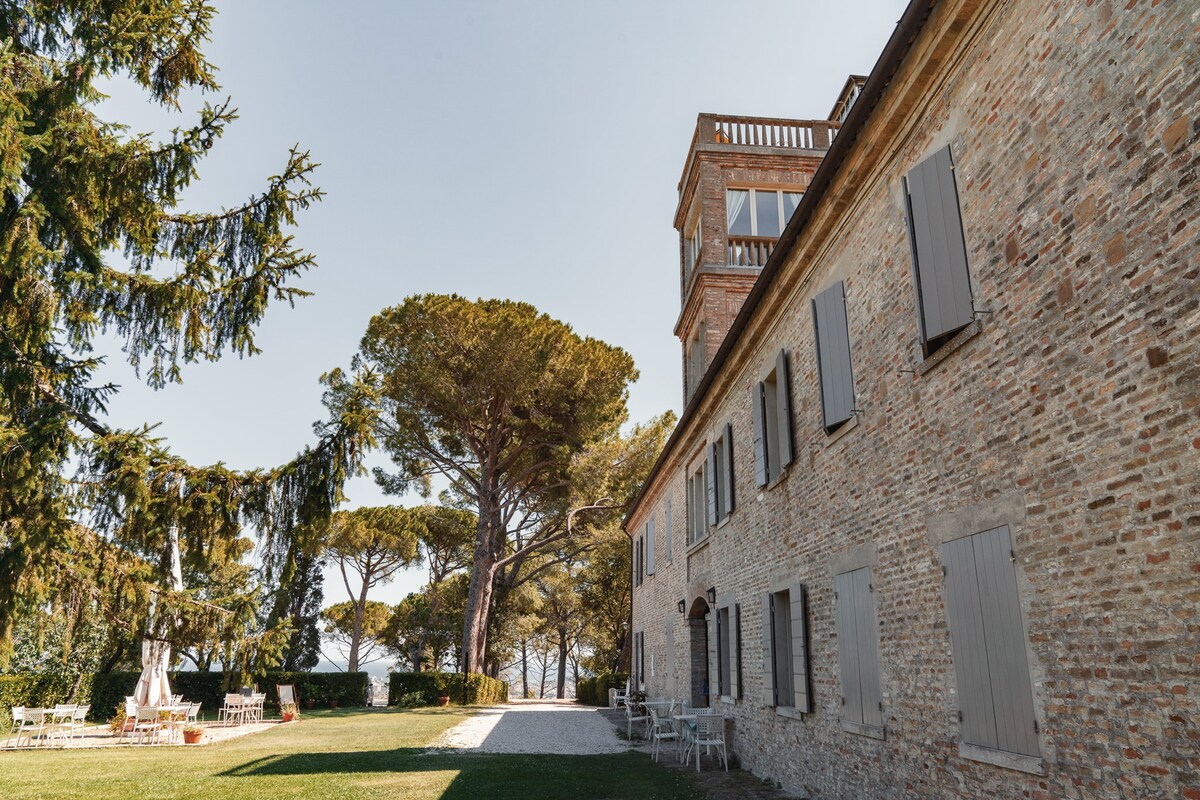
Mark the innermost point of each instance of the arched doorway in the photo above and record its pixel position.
(697, 619)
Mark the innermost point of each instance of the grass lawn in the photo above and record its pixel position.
(336, 755)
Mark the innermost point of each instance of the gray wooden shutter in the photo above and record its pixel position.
(831, 332)
(669, 630)
(711, 479)
(768, 630)
(650, 546)
(783, 406)
(760, 434)
(668, 538)
(799, 635)
(939, 249)
(736, 670)
(988, 640)
(847, 637)
(868, 650)
(727, 473)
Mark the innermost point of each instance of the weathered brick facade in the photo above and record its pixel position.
(1070, 410)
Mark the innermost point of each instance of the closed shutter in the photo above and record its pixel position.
(939, 249)
(727, 472)
(783, 406)
(760, 434)
(799, 636)
(858, 648)
(988, 640)
(710, 475)
(833, 355)
(650, 546)
(768, 670)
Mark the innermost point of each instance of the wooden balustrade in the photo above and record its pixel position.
(750, 251)
(798, 134)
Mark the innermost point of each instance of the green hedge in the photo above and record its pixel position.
(464, 689)
(107, 690)
(39, 691)
(594, 691)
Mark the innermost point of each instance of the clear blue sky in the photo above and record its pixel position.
(528, 150)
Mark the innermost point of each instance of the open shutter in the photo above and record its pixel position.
(727, 473)
(650, 546)
(735, 655)
(1008, 669)
(868, 650)
(833, 355)
(710, 475)
(768, 628)
(847, 636)
(669, 629)
(967, 643)
(939, 249)
(760, 435)
(668, 539)
(783, 406)
(799, 636)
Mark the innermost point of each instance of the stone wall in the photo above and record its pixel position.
(1074, 129)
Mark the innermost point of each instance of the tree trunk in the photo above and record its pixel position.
(524, 669)
(360, 608)
(488, 540)
(562, 663)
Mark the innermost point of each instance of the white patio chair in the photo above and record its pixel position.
(57, 723)
(255, 709)
(130, 718)
(622, 696)
(234, 709)
(23, 724)
(147, 725)
(710, 732)
(633, 715)
(662, 730)
(193, 713)
(78, 722)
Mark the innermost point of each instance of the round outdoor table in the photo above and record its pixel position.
(176, 717)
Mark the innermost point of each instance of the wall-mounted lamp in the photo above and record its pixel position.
(682, 606)
(711, 594)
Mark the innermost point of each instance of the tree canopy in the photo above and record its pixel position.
(496, 398)
(93, 239)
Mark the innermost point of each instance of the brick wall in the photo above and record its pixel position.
(1075, 135)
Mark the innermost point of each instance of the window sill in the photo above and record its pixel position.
(771, 484)
(1000, 758)
(696, 546)
(722, 523)
(727, 700)
(845, 428)
(789, 712)
(858, 728)
(968, 333)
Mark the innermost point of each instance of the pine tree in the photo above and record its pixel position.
(92, 239)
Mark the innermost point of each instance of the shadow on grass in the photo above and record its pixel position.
(494, 776)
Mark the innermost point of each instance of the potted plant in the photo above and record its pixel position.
(333, 703)
(443, 699)
(193, 734)
(288, 711)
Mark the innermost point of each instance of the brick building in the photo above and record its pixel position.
(929, 525)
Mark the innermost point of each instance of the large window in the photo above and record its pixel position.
(770, 408)
(785, 649)
(939, 250)
(858, 653)
(759, 212)
(987, 634)
(697, 497)
(755, 218)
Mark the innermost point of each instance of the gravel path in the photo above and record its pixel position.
(534, 727)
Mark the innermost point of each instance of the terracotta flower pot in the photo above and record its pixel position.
(333, 703)
(444, 700)
(193, 737)
(288, 716)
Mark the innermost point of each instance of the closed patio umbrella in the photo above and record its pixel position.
(153, 687)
